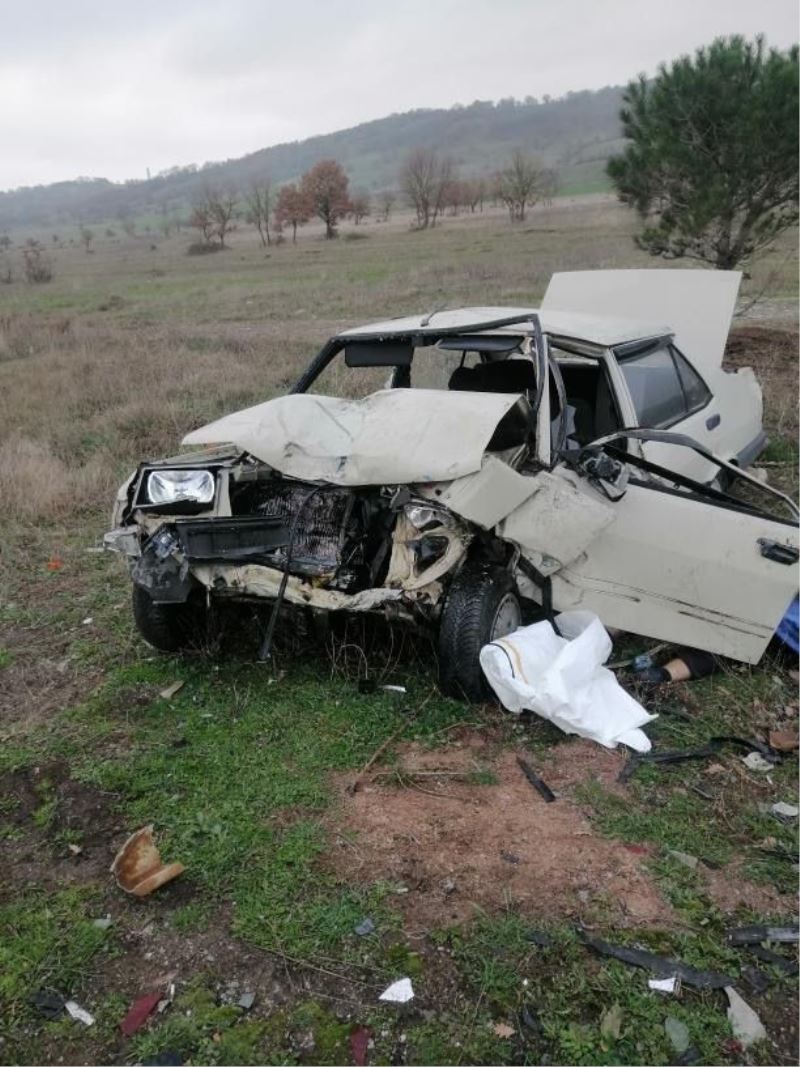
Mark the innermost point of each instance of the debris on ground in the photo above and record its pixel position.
(171, 690)
(754, 761)
(503, 1031)
(670, 986)
(139, 1012)
(541, 787)
(754, 935)
(359, 1044)
(666, 968)
(48, 1004)
(611, 1022)
(785, 811)
(78, 1013)
(394, 689)
(745, 1023)
(678, 1034)
(246, 1000)
(103, 923)
(756, 979)
(710, 748)
(785, 740)
(571, 687)
(683, 857)
(137, 866)
(399, 992)
(365, 928)
(774, 959)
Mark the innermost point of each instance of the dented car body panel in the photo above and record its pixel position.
(403, 501)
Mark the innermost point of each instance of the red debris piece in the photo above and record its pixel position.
(54, 563)
(638, 850)
(139, 1012)
(359, 1043)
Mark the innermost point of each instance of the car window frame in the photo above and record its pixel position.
(624, 353)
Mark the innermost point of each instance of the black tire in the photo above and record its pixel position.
(468, 618)
(167, 627)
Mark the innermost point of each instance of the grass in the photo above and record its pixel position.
(113, 361)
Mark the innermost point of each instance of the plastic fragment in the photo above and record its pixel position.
(542, 788)
(137, 866)
(754, 935)
(785, 811)
(670, 986)
(365, 928)
(754, 761)
(678, 1034)
(683, 857)
(50, 1005)
(661, 966)
(745, 1023)
(138, 1013)
(399, 992)
(78, 1013)
(103, 922)
(246, 1000)
(359, 1044)
(171, 690)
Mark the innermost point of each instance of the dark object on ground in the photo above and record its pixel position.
(754, 935)
(658, 965)
(50, 1005)
(138, 1013)
(541, 787)
(691, 1055)
(680, 755)
(529, 1020)
(758, 981)
(168, 1058)
(539, 937)
(167, 627)
(688, 665)
(774, 959)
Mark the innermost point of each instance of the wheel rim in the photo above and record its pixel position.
(507, 617)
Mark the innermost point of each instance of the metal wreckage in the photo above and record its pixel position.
(517, 461)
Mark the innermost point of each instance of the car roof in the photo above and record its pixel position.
(594, 329)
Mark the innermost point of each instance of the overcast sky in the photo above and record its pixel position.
(110, 89)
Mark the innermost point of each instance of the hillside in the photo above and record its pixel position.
(576, 134)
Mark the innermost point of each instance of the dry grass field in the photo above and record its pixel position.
(243, 771)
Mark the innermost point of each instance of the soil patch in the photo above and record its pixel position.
(452, 844)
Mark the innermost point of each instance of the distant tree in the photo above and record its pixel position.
(424, 179)
(711, 167)
(291, 209)
(387, 199)
(87, 236)
(360, 205)
(324, 189)
(475, 193)
(213, 215)
(259, 208)
(519, 184)
(549, 185)
(36, 265)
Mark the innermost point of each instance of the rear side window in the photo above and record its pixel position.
(664, 387)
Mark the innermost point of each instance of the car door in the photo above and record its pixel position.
(686, 569)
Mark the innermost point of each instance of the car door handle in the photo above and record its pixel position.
(713, 421)
(777, 552)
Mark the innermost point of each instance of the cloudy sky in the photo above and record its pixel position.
(114, 88)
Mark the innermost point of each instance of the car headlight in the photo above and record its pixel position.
(172, 487)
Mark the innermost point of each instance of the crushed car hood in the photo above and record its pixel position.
(390, 437)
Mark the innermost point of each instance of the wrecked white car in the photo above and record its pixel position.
(516, 462)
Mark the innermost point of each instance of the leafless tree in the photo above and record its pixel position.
(360, 205)
(213, 215)
(387, 200)
(519, 184)
(424, 178)
(259, 208)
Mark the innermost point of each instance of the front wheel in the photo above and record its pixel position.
(482, 604)
(167, 627)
